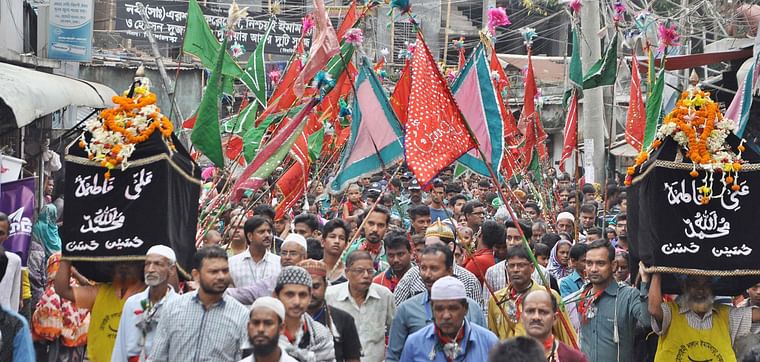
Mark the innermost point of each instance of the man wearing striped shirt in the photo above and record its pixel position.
(204, 325)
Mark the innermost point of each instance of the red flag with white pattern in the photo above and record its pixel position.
(436, 133)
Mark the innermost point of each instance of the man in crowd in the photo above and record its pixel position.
(370, 304)
(142, 311)
(566, 223)
(236, 235)
(105, 302)
(457, 203)
(587, 218)
(10, 283)
(540, 313)
(306, 225)
(302, 337)
(517, 349)
(496, 276)
(374, 231)
(506, 310)
(399, 252)
(336, 234)
(415, 313)
(450, 337)
(474, 212)
(420, 217)
(340, 323)
(265, 324)
(293, 250)
(538, 230)
(412, 284)
(694, 325)
(437, 208)
(573, 282)
(415, 193)
(483, 258)
(15, 336)
(257, 262)
(621, 229)
(532, 211)
(205, 324)
(607, 312)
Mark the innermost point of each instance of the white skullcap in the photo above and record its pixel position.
(270, 303)
(164, 251)
(565, 216)
(296, 238)
(448, 288)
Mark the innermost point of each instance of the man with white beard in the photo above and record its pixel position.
(140, 314)
(700, 330)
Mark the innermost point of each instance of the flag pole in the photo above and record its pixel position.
(512, 215)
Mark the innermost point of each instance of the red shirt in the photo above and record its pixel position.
(479, 262)
(387, 279)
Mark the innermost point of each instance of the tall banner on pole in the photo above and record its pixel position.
(17, 201)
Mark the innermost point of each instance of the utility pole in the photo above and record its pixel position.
(167, 82)
(592, 121)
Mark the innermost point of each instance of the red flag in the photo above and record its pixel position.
(233, 148)
(635, 121)
(349, 21)
(462, 60)
(292, 184)
(502, 83)
(324, 45)
(190, 122)
(571, 131)
(400, 96)
(436, 133)
(530, 123)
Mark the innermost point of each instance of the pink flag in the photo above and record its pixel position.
(324, 46)
(571, 131)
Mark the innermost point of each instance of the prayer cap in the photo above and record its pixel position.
(565, 216)
(448, 288)
(294, 275)
(164, 251)
(296, 238)
(270, 303)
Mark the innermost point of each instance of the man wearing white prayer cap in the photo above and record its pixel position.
(265, 324)
(144, 308)
(566, 223)
(293, 250)
(451, 337)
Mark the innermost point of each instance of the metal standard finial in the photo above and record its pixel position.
(694, 78)
(140, 72)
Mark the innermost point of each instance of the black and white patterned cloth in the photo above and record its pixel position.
(411, 284)
(294, 275)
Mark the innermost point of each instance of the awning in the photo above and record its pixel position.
(547, 69)
(28, 94)
(623, 150)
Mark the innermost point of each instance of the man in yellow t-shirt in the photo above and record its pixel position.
(105, 302)
(705, 330)
(510, 300)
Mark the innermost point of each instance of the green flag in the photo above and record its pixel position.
(201, 42)
(315, 142)
(654, 108)
(575, 71)
(252, 138)
(604, 71)
(254, 74)
(206, 137)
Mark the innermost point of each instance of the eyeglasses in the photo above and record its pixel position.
(361, 271)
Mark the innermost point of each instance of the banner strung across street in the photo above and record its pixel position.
(17, 201)
(167, 21)
(153, 201)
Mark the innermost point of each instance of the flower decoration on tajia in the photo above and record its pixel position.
(117, 131)
(700, 129)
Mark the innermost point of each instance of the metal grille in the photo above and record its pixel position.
(402, 32)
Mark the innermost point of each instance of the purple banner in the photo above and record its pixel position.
(17, 201)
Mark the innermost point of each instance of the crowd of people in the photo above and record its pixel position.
(385, 271)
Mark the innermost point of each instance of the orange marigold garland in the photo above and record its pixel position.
(700, 129)
(116, 132)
